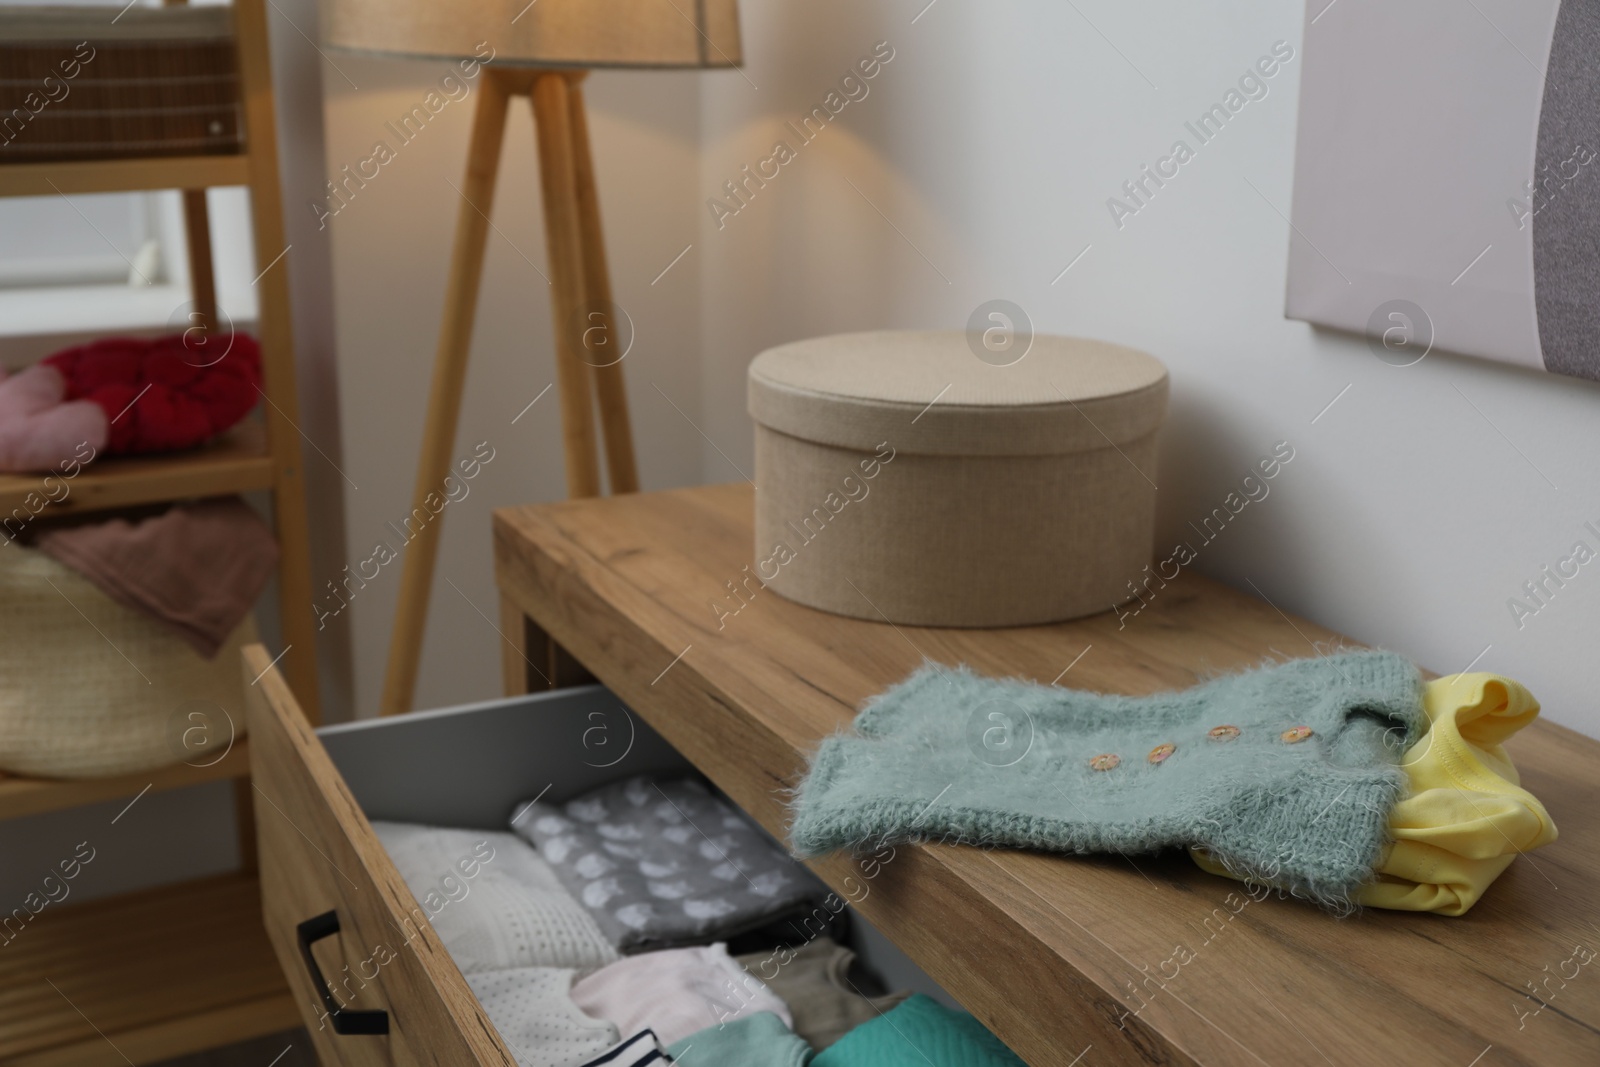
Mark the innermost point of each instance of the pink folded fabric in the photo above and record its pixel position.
(197, 567)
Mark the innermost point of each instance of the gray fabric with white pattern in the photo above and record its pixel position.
(665, 863)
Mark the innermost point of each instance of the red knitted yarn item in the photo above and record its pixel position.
(186, 403)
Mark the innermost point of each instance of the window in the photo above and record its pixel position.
(116, 261)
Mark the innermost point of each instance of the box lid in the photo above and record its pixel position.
(925, 391)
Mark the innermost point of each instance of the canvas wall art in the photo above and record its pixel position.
(1447, 179)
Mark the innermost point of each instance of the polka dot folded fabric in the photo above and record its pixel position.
(533, 1009)
(1286, 774)
(665, 863)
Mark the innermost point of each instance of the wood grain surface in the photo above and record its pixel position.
(122, 175)
(21, 795)
(275, 331)
(236, 462)
(1126, 960)
(140, 976)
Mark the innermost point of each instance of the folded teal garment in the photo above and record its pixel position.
(756, 1040)
(919, 1032)
(1286, 774)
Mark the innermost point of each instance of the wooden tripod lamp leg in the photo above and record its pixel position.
(444, 394)
(552, 111)
(578, 279)
(609, 391)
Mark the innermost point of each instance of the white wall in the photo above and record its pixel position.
(299, 73)
(391, 245)
(1416, 505)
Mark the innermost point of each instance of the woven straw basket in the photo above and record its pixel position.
(77, 703)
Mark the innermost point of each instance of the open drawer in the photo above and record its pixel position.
(336, 909)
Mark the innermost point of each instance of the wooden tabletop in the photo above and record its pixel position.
(1127, 961)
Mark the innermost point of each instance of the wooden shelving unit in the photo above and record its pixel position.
(164, 972)
(21, 796)
(237, 463)
(267, 456)
(158, 973)
(123, 175)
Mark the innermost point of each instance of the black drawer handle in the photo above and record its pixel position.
(345, 1021)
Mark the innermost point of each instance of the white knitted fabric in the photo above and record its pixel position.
(509, 912)
(533, 1010)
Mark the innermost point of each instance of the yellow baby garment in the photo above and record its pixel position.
(1465, 816)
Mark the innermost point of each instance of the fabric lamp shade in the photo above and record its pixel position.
(553, 33)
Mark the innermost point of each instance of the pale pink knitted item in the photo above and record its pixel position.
(675, 992)
(37, 431)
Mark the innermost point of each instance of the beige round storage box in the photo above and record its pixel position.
(902, 477)
(90, 688)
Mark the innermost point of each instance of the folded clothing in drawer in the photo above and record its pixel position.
(676, 992)
(920, 1031)
(373, 871)
(660, 863)
(758, 1040)
(825, 1001)
(494, 903)
(538, 963)
(559, 995)
(532, 1008)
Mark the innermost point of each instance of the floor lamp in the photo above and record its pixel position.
(541, 49)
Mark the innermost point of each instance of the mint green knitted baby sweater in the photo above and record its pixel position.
(1286, 774)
